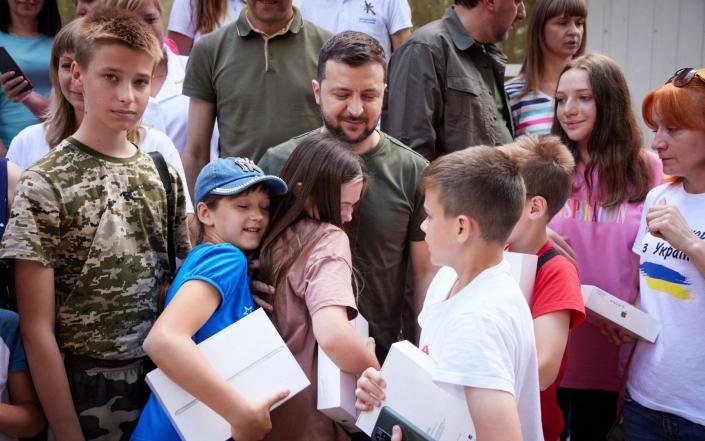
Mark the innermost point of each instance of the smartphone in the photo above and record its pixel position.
(8, 64)
(389, 418)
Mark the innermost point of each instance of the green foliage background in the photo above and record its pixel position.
(423, 11)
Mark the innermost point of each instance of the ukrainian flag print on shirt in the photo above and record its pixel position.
(666, 280)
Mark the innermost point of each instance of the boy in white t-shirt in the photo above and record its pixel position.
(475, 323)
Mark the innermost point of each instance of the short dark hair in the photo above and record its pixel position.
(352, 48)
(48, 20)
(547, 167)
(467, 3)
(481, 182)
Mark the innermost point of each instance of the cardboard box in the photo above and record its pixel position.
(620, 313)
(336, 389)
(253, 358)
(438, 410)
(523, 269)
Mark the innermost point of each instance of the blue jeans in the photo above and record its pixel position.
(644, 424)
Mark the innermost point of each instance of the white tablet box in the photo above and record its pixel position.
(336, 389)
(253, 358)
(620, 313)
(523, 269)
(412, 393)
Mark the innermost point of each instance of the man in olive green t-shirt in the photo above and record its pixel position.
(349, 89)
(254, 75)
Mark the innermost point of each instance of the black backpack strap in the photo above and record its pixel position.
(163, 170)
(545, 257)
(4, 212)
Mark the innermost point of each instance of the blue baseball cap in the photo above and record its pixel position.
(229, 176)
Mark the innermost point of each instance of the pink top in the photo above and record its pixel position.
(602, 239)
(321, 276)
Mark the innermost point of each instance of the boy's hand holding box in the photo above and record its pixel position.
(620, 313)
(251, 355)
(413, 394)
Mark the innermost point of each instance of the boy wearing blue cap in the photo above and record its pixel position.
(210, 292)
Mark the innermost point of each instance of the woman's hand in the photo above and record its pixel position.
(257, 286)
(666, 222)
(13, 86)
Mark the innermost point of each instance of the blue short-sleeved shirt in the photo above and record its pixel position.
(32, 55)
(12, 358)
(225, 267)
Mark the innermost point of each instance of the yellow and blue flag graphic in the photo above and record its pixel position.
(665, 280)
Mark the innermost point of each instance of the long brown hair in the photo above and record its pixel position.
(61, 121)
(533, 67)
(209, 15)
(315, 173)
(615, 145)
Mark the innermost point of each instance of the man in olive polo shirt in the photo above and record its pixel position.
(254, 75)
(387, 236)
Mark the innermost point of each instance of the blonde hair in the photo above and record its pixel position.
(115, 26)
(61, 121)
(131, 5)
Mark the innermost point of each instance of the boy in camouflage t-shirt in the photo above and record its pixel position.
(88, 232)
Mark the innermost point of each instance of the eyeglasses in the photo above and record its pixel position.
(684, 76)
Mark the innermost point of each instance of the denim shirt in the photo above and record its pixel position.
(441, 96)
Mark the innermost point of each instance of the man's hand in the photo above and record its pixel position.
(256, 423)
(370, 390)
(257, 286)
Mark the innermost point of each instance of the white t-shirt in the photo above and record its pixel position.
(183, 16)
(668, 375)
(378, 18)
(30, 145)
(168, 111)
(483, 337)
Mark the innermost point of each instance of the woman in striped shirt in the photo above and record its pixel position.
(556, 35)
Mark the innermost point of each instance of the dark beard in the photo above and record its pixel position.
(339, 133)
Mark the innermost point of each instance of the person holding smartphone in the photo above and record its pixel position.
(26, 32)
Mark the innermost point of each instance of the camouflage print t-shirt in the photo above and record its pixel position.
(101, 224)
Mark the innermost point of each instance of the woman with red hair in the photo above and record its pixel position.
(665, 399)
